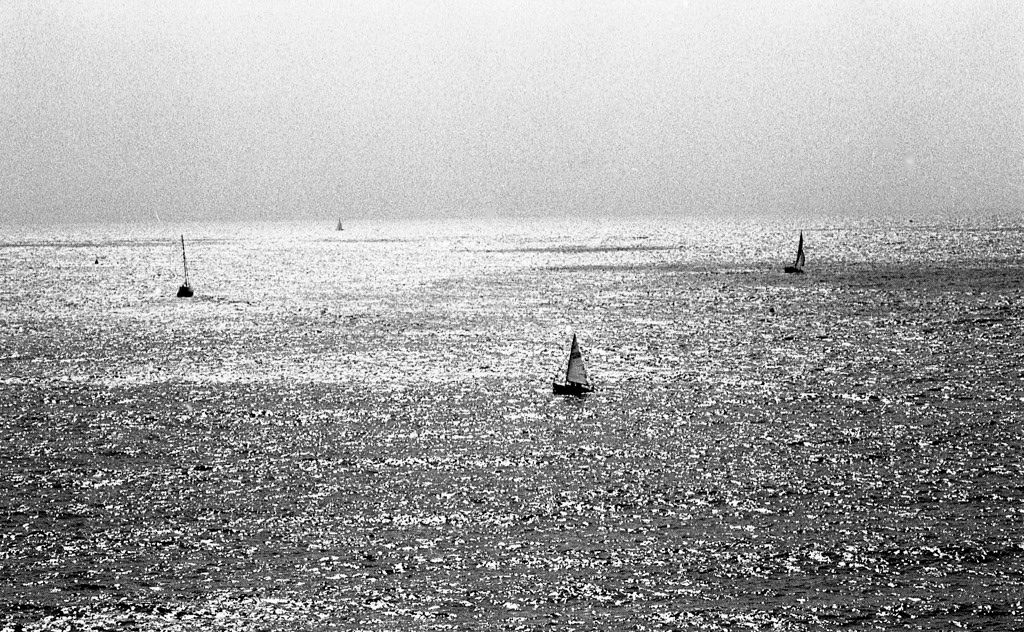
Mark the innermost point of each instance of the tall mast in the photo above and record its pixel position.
(184, 262)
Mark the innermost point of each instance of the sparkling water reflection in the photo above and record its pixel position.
(355, 429)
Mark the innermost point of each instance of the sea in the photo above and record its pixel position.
(356, 429)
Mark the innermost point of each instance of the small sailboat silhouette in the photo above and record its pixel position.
(185, 291)
(798, 265)
(576, 380)
(340, 227)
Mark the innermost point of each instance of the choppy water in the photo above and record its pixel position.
(355, 429)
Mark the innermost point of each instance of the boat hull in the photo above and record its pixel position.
(571, 388)
(184, 291)
(792, 270)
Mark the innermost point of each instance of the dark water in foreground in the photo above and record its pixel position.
(355, 429)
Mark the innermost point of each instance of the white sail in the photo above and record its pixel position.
(174, 250)
(577, 371)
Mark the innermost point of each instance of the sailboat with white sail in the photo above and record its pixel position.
(185, 291)
(576, 381)
(798, 265)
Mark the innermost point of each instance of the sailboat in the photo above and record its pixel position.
(340, 227)
(185, 291)
(798, 265)
(576, 380)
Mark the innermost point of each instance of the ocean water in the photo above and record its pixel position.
(355, 430)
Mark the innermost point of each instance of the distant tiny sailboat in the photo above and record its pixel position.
(576, 380)
(185, 291)
(340, 227)
(798, 265)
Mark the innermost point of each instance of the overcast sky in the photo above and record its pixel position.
(178, 110)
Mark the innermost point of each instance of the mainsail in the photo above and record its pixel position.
(577, 371)
(800, 251)
(577, 382)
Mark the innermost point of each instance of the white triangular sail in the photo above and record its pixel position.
(576, 373)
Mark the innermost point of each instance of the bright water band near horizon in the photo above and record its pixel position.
(355, 429)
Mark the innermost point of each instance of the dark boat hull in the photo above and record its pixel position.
(571, 388)
(184, 291)
(793, 270)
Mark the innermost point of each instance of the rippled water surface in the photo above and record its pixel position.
(355, 429)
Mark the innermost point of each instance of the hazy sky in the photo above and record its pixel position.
(361, 109)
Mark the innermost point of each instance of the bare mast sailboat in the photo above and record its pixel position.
(185, 290)
(576, 380)
(798, 265)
